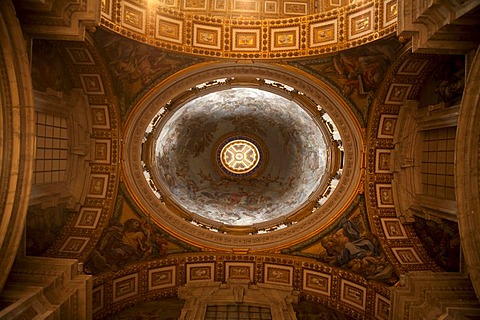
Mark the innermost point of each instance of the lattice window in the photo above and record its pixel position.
(438, 163)
(51, 148)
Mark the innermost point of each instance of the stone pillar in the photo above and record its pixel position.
(16, 136)
(47, 288)
(467, 182)
(434, 295)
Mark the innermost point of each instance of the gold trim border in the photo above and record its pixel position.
(225, 48)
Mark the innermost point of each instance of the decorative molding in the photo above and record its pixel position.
(167, 217)
(433, 295)
(225, 278)
(161, 278)
(361, 23)
(387, 125)
(353, 294)
(300, 33)
(384, 196)
(391, 148)
(125, 287)
(200, 272)
(60, 20)
(43, 286)
(317, 282)
(443, 26)
(393, 229)
(239, 271)
(278, 275)
(88, 218)
(406, 255)
(278, 299)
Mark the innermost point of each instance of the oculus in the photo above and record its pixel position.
(240, 156)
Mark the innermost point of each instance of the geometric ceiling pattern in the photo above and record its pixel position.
(194, 28)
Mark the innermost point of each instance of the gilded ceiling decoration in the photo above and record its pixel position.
(184, 144)
(356, 284)
(357, 73)
(349, 244)
(76, 72)
(404, 80)
(239, 156)
(131, 237)
(248, 29)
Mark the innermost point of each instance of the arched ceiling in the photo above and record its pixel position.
(244, 29)
(130, 82)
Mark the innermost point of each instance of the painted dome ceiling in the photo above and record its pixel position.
(240, 156)
(241, 160)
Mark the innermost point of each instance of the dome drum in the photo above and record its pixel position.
(192, 191)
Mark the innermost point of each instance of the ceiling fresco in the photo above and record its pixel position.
(185, 154)
(43, 226)
(356, 73)
(131, 237)
(444, 87)
(350, 245)
(47, 68)
(442, 240)
(135, 67)
(313, 147)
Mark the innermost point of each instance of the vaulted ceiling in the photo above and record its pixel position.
(355, 135)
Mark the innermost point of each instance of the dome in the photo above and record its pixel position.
(237, 156)
(240, 156)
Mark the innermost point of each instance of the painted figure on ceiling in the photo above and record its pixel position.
(363, 70)
(349, 249)
(135, 240)
(451, 78)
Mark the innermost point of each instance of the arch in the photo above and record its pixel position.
(467, 173)
(16, 137)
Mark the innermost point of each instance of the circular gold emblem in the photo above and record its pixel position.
(239, 156)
